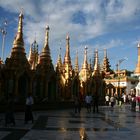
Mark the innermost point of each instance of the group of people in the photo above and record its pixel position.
(124, 99)
(89, 101)
(9, 112)
(92, 101)
(110, 100)
(115, 99)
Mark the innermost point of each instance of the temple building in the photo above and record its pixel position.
(37, 76)
(118, 82)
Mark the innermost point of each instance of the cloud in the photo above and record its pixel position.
(81, 19)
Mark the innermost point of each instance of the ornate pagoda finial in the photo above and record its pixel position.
(67, 67)
(76, 64)
(59, 61)
(67, 45)
(105, 53)
(85, 64)
(30, 53)
(96, 61)
(96, 71)
(85, 73)
(47, 37)
(18, 41)
(67, 59)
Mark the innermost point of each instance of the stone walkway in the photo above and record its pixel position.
(114, 124)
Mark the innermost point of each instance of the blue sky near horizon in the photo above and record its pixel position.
(110, 24)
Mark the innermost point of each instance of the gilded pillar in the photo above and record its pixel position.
(112, 91)
(117, 90)
(108, 91)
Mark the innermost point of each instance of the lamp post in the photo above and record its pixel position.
(4, 32)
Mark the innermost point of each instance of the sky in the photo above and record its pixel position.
(97, 24)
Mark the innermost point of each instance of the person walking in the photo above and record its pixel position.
(124, 98)
(120, 100)
(77, 105)
(133, 103)
(112, 100)
(138, 100)
(9, 115)
(28, 109)
(95, 99)
(88, 100)
(107, 100)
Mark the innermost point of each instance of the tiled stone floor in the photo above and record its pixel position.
(113, 124)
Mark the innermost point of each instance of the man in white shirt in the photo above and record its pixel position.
(107, 100)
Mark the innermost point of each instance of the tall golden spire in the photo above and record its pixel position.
(18, 41)
(76, 64)
(84, 73)
(67, 59)
(59, 61)
(30, 54)
(67, 67)
(137, 70)
(96, 71)
(18, 44)
(18, 55)
(47, 37)
(45, 54)
(85, 64)
(33, 55)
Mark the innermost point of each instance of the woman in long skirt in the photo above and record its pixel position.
(28, 109)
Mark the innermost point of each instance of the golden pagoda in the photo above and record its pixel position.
(45, 58)
(67, 67)
(67, 73)
(36, 75)
(84, 75)
(96, 70)
(45, 76)
(17, 68)
(18, 55)
(137, 70)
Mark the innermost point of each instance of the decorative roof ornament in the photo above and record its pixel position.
(59, 60)
(85, 73)
(96, 71)
(18, 41)
(67, 58)
(85, 64)
(76, 64)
